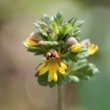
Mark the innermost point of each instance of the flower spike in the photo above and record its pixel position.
(65, 54)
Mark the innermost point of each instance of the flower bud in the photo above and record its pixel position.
(35, 36)
(32, 40)
(71, 41)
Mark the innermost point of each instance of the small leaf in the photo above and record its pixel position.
(40, 29)
(43, 79)
(74, 78)
(58, 18)
(65, 29)
(72, 21)
(52, 84)
(79, 23)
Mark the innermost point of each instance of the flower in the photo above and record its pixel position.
(75, 48)
(31, 41)
(52, 65)
(91, 48)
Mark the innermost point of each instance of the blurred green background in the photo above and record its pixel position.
(19, 89)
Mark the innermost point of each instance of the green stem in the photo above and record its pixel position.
(59, 98)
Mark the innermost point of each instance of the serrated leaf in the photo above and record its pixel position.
(58, 18)
(79, 23)
(43, 79)
(45, 19)
(65, 29)
(40, 29)
(37, 50)
(72, 21)
(52, 84)
(54, 27)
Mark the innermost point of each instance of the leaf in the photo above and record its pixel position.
(45, 19)
(54, 27)
(58, 18)
(61, 78)
(37, 50)
(43, 79)
(40, 29)
(52, 84)
(73, 78)
(72, 21)
(65, 29)
(79, 23)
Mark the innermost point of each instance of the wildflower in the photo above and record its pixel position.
(31, 40)
(52, 65)
(75, 48)
(91, 48)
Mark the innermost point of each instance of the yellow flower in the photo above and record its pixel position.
(30, 41)
(75, 48)
(91, 48)
(52, 65)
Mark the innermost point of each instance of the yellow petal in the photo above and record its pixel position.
(50, 77)
(52, 71)
(31, 42)
(62, 65)
(44, 70)
(41, 66)
(55, 77)
(76, 47)
(92, 49)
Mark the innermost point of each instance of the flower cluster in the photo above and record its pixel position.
(64, 52)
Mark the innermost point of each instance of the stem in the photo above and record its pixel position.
(59, 98)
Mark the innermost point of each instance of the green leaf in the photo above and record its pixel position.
(72, 21)
(37, 50)
(43, 79)
(58, 18)
(48, 43)
(73, 78)
(79, 23)
(52, 84)
(40, 29)
(54, 27)
(45, 19)
(65, 29)
(61, 78)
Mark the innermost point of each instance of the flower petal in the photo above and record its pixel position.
(55, 77)
(41, 66)
(92, 49)
(75, 48)
(30, 42)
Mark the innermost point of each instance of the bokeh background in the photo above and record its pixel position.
(19, 89)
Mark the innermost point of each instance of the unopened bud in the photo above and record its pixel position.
(71, 41)
(35, 36)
